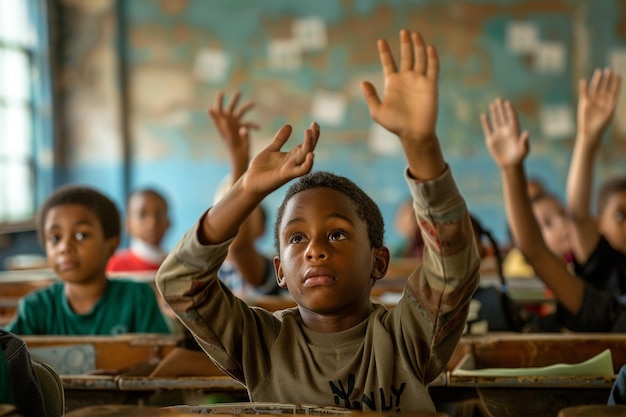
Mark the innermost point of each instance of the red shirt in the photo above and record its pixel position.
(127, 260)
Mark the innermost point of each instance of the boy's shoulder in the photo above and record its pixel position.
(52, 291)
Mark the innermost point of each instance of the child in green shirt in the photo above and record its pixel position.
(80, 230)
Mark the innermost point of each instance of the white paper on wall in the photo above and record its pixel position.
(550, 58)
(328, 108)
(310, 33)
(383, 142)
(617, 62)
(557, 121)
(284, 55)
(522, 37)
(211, 66)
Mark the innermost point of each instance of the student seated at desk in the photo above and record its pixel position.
(584, 307)
(337, 348)
(555, 228)
(246, 271)
(147, 221)
(599, 241)
(80, 229)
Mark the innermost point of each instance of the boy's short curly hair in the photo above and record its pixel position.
(146, 191)
(366, 208)
(609, 187)
(102, 206)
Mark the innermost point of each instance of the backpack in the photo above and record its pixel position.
(18, 379)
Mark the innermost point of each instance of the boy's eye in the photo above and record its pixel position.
(337, 235)
(296, 238)
(80, 236)
(619, 216)
(53, 239)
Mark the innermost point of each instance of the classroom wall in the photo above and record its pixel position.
(303, 61)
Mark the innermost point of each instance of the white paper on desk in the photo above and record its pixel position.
(310, 33)
(550, 58)
(617, 62)
(600, 365)
(522, 37)
(284, 55)
(557, 121)
(328, 108)
(211, 65)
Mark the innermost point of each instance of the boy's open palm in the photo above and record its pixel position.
(271, 168)
(409, 104)
(507, 145)
(596, 103)
(230, 125)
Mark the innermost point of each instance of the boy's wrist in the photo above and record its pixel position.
(588, 140)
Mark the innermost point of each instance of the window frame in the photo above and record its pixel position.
(40, 105)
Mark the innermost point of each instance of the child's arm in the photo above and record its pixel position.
(235, 133)
(409, 104)
(596, 106)
(269, 170)
(443, 283)
(508, 148)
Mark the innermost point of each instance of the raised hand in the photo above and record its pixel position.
(506, 144)
(231, 126)
(272, 168)
(409, 103)
(596, 103)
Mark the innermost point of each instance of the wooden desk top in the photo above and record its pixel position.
(145, 383)
(114, 352)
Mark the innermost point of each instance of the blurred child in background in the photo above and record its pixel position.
(246, 271)
(599, 242)
(147, 221)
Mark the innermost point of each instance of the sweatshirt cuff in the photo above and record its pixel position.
(437, 192)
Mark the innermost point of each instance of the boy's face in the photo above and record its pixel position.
(147, 218)
(326, 259)
(75, 245)
(553, 224)
(612, 220)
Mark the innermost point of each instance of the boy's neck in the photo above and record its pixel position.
(147, 251)
(83, 296)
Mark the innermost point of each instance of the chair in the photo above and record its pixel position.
(51, 388)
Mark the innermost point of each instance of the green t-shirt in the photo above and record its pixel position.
(126, 307)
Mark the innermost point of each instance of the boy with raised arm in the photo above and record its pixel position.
(246, 271)
(598, 243)
(585, 308)
(337, 348)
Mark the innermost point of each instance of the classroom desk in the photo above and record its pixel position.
(16, 284)
(508, 350)
(539, 396)
(112, 353)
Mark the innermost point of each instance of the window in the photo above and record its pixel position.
(25, 123)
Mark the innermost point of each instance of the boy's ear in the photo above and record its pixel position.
(381, 263)
(112, 244)
(278, 270)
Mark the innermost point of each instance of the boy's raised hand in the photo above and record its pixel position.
(506, 144)
(409, 103)
(231, 127)
(271, 168)
(596, 103)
